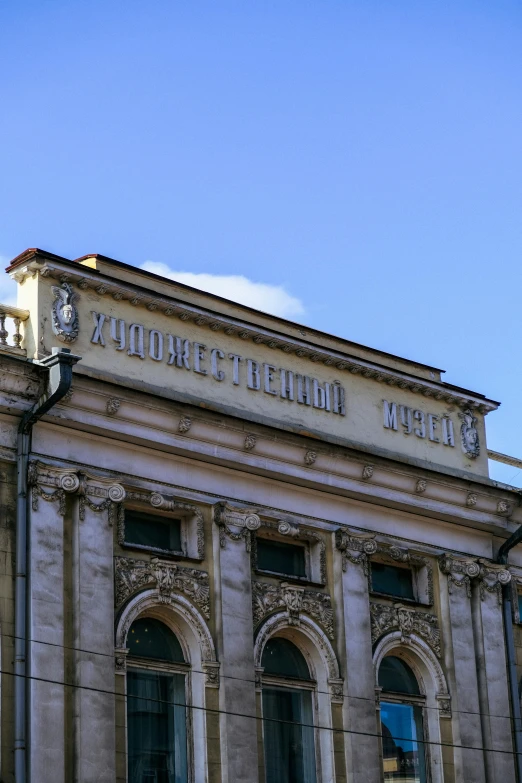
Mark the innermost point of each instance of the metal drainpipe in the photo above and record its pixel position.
(502, 557)
(60, 365)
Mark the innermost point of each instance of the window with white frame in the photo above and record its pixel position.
(156, 705)
(288, 714)
(402, 723)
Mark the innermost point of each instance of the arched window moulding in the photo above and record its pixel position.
(183, 619)
(432, 682)
(324, 669)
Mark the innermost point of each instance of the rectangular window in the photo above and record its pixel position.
(403, 754)
(520, 607)
(157, 733)
(153, 532)
(392, 580)
(288, 736)
(281, 558)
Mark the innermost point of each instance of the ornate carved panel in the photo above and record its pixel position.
(386, 618)
(267, 598)
(132, 575)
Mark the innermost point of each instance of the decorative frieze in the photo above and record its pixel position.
(235, 524)
(297, 600)
(131, 576)
(355, 547)
(386, 618)
(503, 508)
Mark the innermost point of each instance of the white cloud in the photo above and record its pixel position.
(262, 296)
(7, 286)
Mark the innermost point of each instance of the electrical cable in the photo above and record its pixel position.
(246, 679)
(256, 717)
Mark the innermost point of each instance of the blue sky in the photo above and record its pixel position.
(361, 160)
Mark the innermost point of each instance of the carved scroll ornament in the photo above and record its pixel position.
(132, 575)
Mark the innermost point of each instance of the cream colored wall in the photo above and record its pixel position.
(361, 426)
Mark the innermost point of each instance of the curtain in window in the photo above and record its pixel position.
(403, 755)
(289, 746)
(157, 732)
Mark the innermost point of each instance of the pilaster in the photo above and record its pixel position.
(461, 661)
(492, 671)
(238, 698)
(46, 617)
(359, 711)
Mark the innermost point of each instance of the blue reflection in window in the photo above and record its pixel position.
(403, 755)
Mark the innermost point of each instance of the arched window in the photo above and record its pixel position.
(288, 714)
(156, 712)
(401, 722)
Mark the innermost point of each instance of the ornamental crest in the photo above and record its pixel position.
(469, 436)
(64, 312)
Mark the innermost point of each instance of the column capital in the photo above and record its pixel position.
(236, 524)
(492, 577)
(460, 571)
(355, 547)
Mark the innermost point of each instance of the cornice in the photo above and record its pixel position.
(85, 279)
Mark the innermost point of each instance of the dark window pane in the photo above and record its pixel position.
(280, 558)
(156, 727)
(395, 675)
(392, 580)
(282, 657)
(150, 638)
(288, 736)
(403, 754)
(520, 608)
(152, 531)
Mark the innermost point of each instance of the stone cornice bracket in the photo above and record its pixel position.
(355, 547)
(407, 620)
(120, 660)
(131, 576)
(336, 690)
(460, 571)
(235, 524)
(211, 669)
(492, 579)
(184, 425)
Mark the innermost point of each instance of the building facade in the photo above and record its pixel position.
(238, 549)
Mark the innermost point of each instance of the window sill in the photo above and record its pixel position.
(302, 580)
(174, 554)
(398, 599)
